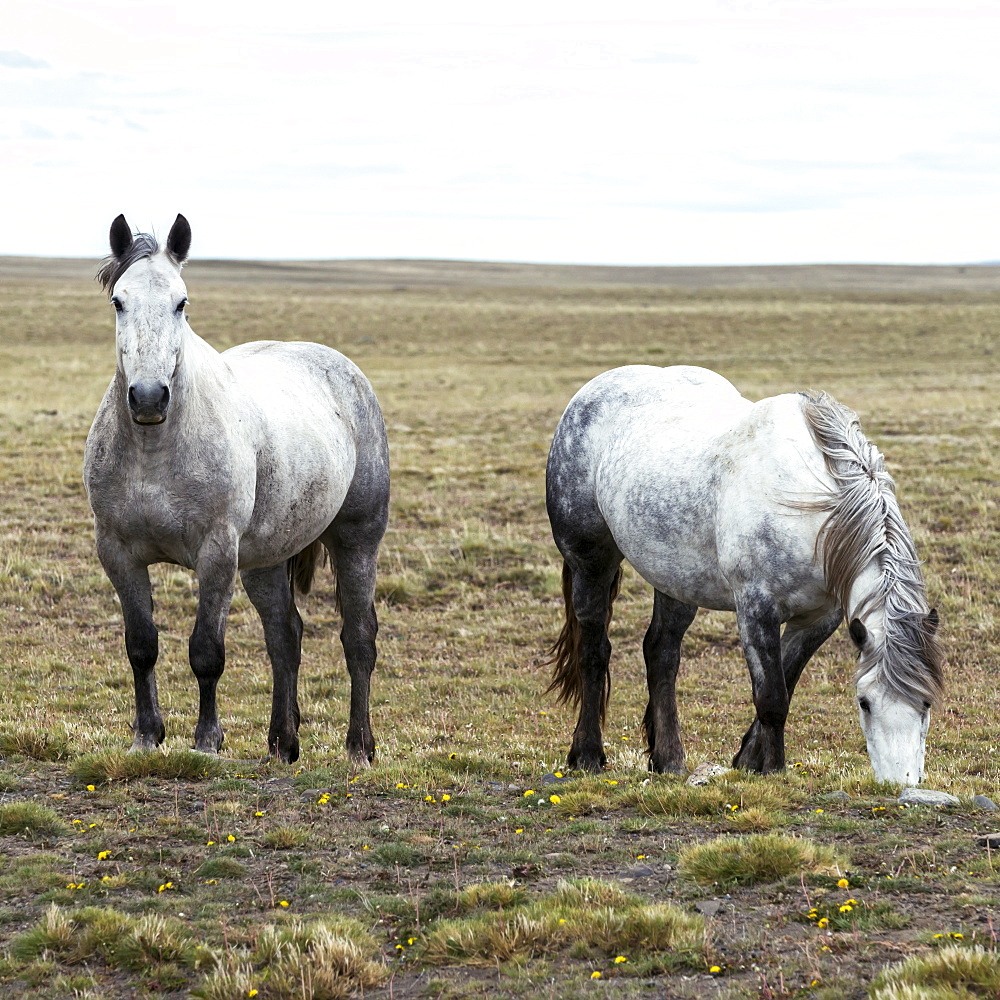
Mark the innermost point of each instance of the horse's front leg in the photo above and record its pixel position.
(216, 572)
(760, 632)
(803, 635)
(271, 594)
(131, 582)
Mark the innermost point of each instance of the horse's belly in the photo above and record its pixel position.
(679, 565)
(297, 498)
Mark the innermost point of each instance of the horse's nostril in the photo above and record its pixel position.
(165, 397)
(133, 403)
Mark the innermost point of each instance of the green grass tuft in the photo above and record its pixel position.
(31, 819)
(585, 914)
(36, 745)
(952, 973)
(284, 838)
(764, 857)
(120, 765)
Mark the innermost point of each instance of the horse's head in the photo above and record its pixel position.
(149, 296)
(896, 690)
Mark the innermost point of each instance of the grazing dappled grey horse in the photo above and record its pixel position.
(781, 511)
(247, 461)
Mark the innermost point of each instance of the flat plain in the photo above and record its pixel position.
(465, 862)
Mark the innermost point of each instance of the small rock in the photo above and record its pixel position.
(984, 803)
(554, 779)
(708, 907)
(991, 840)
(311, 794)
(838, 796)
(704, 773)
(926, 797)
(640, 873)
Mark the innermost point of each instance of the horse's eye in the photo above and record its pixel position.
(117, 303)
(864, 704)
(180, 306)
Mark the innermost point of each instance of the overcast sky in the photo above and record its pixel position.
(669, 133)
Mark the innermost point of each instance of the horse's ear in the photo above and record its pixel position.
(931, 621)
(858, 632)
(120, 236)
(179, 239)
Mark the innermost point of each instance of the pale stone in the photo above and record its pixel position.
(704, 773)
(926, 797)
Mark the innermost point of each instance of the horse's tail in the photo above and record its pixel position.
(302, 568)
(564, 656)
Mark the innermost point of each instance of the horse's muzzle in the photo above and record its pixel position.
(148, 401)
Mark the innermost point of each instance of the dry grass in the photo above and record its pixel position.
(472, 380)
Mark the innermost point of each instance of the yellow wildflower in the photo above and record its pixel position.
(823, 922)
(555, 800)
(619, 959)
(595, 975)
(230, 838)
(715, 970)
(103, 854)
(283, 902)
(530, 791)
(843, 883)
(446, 797)
(91, 788)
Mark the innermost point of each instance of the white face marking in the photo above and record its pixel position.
(149, 300)
(895, 731)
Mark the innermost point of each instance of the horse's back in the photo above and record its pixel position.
(691, 479)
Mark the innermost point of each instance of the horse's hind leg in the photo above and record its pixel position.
(594, 581)
(270, 591)
(662, 651)
(216, 572)
(760, 632)
(353, 546)
(801, 638)
(131, 582)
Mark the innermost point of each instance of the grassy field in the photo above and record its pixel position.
(465, 863)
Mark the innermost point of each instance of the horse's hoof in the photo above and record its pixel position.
(284, 751)
(586, 762)
(668, 767)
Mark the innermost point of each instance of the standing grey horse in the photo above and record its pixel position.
(781, 511)
(247, 461)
